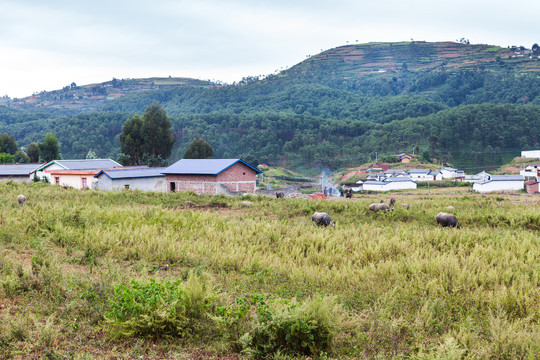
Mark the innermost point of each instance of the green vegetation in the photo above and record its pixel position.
(147, 140)
(90, 274)
(332, 110)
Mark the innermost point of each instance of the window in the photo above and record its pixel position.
(84, 184)
(57, 180)
(126, 187)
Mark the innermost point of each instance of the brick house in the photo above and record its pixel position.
(211, 176)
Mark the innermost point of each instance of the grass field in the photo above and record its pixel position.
(123, 275)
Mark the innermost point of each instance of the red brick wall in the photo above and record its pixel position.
(238, 177)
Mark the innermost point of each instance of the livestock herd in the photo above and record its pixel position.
(323, 219)
(443, 219)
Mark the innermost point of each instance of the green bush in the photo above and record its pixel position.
(169, 309)
(292, 328)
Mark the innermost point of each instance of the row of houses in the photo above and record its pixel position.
(396, 179)
(208, 176)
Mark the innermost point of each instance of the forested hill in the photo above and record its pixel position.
(472, 105)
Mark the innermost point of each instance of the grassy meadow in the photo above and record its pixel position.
(123, 275)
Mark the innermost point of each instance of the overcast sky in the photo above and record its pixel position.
(46, 45)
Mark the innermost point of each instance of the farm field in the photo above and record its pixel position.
(124, 275)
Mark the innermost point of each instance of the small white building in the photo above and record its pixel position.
(393, 183)
(480, 177)
(424, 175)
(145, 179)
(531, 154)
(449, 173)
(532, 170)
(500, 183)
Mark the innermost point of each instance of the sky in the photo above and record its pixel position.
(46, 45)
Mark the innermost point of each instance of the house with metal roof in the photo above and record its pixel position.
(78, 174)
(211, 176)
(18, 172)
(500, 183)
(424, 175)
(132, 178)
(388, 184)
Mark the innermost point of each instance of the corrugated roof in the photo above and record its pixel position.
(503, 178)
(398, 179)
(419, 171)
(17, 169)
(84, 164)
(132, 173)
(203, 166)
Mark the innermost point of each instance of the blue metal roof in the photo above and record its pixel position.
(85, 164)
(17, 169)
(132, 173)
(203, 166)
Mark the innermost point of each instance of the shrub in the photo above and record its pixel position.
(293, 328)
(170, 309)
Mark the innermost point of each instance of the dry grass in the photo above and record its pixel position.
(407, 288)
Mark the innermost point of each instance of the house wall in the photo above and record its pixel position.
(390, 186)
(156, 183)
(74, 181)
(238, 177)
(499, 186)
(534, 154)
(532, 188)
(42, 174)
(17, 178)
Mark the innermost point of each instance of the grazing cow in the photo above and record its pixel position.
(21, 199)
(322, 219)
(280, 194)
(446, 219)
(380, 207)
(405, 205)
(392, 201)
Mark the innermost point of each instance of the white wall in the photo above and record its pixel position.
(499, 186)
(534, 154)
(157, 183)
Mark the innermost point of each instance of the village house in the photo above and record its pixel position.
(78, 174)
(392, 183)
(531, 154)
(500, 183)
(405, 158)
(18, 172)
(132, 178)
(211, 176)
(532, 170)
(424, 175)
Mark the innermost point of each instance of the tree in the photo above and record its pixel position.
(49, 149)
(156, 132)
(33, 152)
(199, 149)
(148, 139)
(131, 141)
(21, 157)
(8, 144)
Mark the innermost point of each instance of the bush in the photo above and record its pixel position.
(170, 309)
(292, 328)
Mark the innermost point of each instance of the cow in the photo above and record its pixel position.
(380, 207)
(322, 219)
(21, 199)
(405, 205)
(446, 219)
(280, 194)
(392, 201)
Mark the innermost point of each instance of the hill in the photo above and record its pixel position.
(471, 105)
